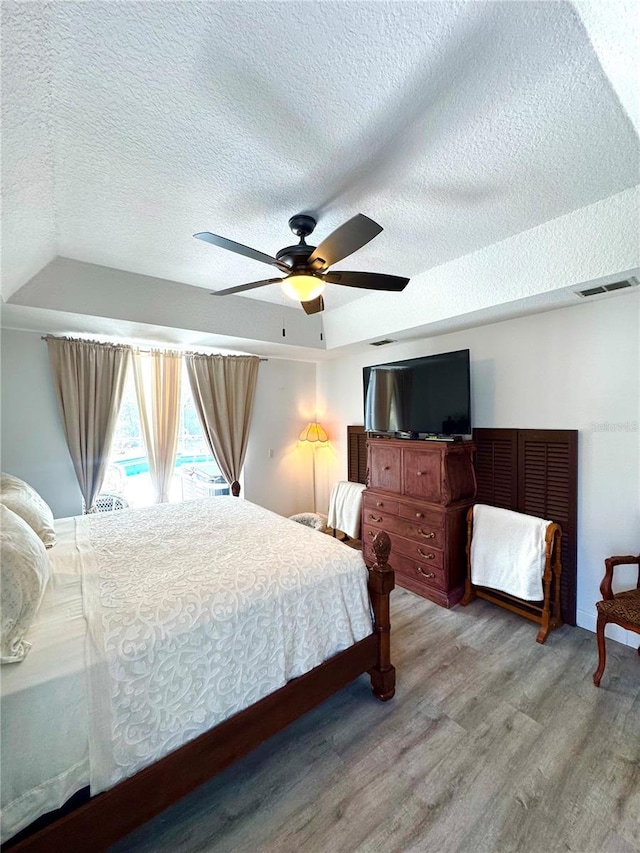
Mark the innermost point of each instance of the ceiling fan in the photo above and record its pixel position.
(306, 267)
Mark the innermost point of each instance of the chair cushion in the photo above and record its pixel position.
(625, 607)
(310, 519)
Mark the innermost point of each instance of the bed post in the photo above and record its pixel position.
(469, 591)
(381, 582)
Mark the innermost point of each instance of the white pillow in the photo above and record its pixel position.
(23, 499)
(25, 571)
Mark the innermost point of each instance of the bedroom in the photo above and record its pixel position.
(112, 163)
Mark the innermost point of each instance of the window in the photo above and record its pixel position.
(196, 473)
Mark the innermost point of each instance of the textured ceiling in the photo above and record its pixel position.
(130, 126)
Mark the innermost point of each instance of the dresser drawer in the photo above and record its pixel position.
(428, 535)
(379, 502)
(419, 572)
(422, 553)
(381, 520)
(424, 535)
(430, 517)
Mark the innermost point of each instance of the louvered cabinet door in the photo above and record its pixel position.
(357, 454)
(496, 464)
(547, 487)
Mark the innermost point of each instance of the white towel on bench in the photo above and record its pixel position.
(508, 551)
(345, 506)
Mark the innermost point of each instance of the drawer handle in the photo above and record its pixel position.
(426, 556)
(418, 473)
(385, 467)
(430, 535)
(379, 503)
(425, 574)
(419, 515)
(371, 533)
(375, 517)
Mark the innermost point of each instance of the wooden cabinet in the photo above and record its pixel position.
(384, 468)
(419, 492)
(422, 474)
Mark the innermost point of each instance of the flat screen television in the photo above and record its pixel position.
(419, 396)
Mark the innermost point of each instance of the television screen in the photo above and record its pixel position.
(420, 395)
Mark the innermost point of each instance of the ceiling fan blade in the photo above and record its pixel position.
(348, 238)
(314, 306)
(367, 280)
(239, 249)
(239, 288)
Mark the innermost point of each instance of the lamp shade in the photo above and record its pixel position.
(313, 433)
(302, 287)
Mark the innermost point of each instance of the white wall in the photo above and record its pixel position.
(573, 368)
(33, 446)
(277, 472)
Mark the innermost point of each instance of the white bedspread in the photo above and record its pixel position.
(198, 610)
(508, 551)
(194, 612)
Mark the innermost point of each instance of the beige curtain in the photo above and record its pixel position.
(157, 377)
(223, 389)
(89, 381)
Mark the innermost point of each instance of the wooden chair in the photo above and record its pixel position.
(622, 608)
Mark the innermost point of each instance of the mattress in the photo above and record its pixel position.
(44, 734)
(159, 624)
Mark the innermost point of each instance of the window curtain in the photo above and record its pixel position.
(223, 389)
(157, 379)
(89, 381)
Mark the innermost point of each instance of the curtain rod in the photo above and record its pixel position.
(130, 346)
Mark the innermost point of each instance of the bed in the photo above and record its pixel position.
(170, 642)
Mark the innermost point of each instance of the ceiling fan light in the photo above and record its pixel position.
(303, 288)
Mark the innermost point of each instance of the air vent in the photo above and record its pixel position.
(382, 343)
(608, 288)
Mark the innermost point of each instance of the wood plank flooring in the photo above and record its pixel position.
(493, 744)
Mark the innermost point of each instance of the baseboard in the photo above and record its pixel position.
(614, 632)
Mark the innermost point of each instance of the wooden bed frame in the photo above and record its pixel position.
(548, 614)
(115, 813)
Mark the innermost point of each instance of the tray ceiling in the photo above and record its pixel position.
(128, 127)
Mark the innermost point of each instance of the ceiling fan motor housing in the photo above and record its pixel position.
(297, 256)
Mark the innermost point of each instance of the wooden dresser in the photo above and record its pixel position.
(419, 492)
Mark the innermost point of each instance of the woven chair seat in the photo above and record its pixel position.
(622, 608)
(311, 519)
(625, 607)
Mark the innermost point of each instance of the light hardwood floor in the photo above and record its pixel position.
(492, 744)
